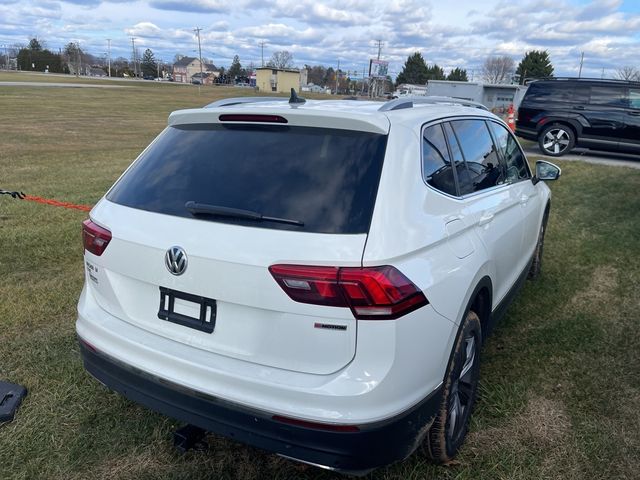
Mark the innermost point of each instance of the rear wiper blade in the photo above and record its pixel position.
(196, 208)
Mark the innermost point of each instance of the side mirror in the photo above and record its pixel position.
(547, 170)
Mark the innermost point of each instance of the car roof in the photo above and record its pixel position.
(586, 80)
(347, 114)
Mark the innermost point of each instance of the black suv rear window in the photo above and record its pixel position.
(325, 178)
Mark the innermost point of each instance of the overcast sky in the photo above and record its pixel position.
(460, 33)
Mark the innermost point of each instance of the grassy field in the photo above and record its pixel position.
(560, 388)
(13, 76)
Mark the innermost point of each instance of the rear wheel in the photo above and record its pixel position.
(461, 384)
(556, 140)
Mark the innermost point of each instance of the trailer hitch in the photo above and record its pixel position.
(190, 437)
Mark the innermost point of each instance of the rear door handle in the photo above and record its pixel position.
(635, 113)
(486, 218)
(578, 107)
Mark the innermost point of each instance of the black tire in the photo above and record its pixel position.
(556, 140)
(536, 264)
(450, 426)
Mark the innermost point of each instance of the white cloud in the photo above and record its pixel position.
(325, 31)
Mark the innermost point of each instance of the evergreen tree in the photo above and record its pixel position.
(329, 78)
(458, 75)
(414, 71)
(35, 45)
(35, 57)
(434, 72)
(535, 64)
(149, 65)
(236, 68)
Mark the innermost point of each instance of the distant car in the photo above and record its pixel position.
(243, 85)
(313, 278)
(563, 113)
(148, 77)
(196, 81)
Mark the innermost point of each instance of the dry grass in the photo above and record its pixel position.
(600, 292)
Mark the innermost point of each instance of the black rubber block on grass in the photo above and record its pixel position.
(11, 396)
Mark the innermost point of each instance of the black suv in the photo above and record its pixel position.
(566, 112)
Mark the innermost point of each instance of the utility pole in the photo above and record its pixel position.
(78, 59)
(135, 61)
(197, 30)
(374, 83)
(337, 71)
(602, 76)
(363, 72)
(262, 52)
(581, 61)
(109, 54)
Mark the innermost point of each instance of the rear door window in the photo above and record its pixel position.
(484, 169)
(607, 95)
(550, 92)
(436, 163)
(325, 178)
(516, 165)
(462, 173)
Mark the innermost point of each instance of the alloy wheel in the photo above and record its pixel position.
(556, 141)
(462, 389)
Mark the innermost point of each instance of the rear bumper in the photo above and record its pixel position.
(374, 445)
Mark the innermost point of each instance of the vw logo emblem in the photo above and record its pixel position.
(176, 260)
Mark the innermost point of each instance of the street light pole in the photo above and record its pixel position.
(109, 54)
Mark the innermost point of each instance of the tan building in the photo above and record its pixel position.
(277, 80)
(187, 70)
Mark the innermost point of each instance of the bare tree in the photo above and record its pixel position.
(628, 73)
(281, 59)
(498, 69)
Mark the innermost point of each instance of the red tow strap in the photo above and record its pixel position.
(46, 201)
(56, 203)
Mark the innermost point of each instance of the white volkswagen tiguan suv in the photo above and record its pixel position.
(313, 278)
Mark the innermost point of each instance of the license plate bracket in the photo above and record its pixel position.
(207, 319)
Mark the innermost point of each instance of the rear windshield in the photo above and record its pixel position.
(324, 178)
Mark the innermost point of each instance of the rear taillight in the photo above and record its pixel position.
(372, 293)
(95, 237)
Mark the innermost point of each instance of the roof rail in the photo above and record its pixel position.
(409, 102)
(227, 102)
(588, 79)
